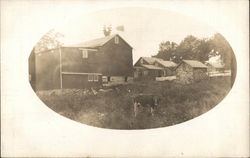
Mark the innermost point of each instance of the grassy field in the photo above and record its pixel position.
(113, 108)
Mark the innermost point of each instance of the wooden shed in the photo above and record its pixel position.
(189, 71)
(82, 65)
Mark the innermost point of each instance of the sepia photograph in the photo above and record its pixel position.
(115, 72)
(124, 78)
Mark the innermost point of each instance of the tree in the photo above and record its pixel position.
(186, 49)
(220, 46)
(192, 48)
(203, 50)
(167, 50)
(50, 40)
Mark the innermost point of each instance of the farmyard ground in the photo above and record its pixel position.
(113, 108)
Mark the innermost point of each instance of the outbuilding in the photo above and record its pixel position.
(189, 71)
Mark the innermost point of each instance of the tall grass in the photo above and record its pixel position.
(114, 109)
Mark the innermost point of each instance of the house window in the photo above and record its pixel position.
(90, 78)
(84, 53)
(164, 72)
(116, 40)
(145, 73)
(93, 78)
(141, 61)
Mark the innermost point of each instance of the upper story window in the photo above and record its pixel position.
(84, 53)
(141, 61)
(116, 40)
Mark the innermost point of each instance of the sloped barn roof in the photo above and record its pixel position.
(167, 63)
(195, 63)
(96, 42)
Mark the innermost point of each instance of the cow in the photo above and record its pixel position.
(146, 100)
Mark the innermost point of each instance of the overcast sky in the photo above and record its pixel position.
(144, 28)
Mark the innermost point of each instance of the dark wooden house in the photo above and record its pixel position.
(144, 69)
(82, 65)
(189, 71)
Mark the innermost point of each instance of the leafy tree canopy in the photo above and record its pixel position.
(221, 47)
(50, 40)
(193, 48)
(167, 50)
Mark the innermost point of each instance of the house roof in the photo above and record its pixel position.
(151, 67)
(151, 60)
(96, 42)
(166, 63)
(195, 63)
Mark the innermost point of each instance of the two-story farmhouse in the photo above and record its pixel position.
(82, 65)
(148, 68)
(189, 71)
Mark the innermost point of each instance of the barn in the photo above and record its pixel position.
(189, 71)
(144, 69)
(82, 65)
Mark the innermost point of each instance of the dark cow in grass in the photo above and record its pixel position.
(146, 100)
